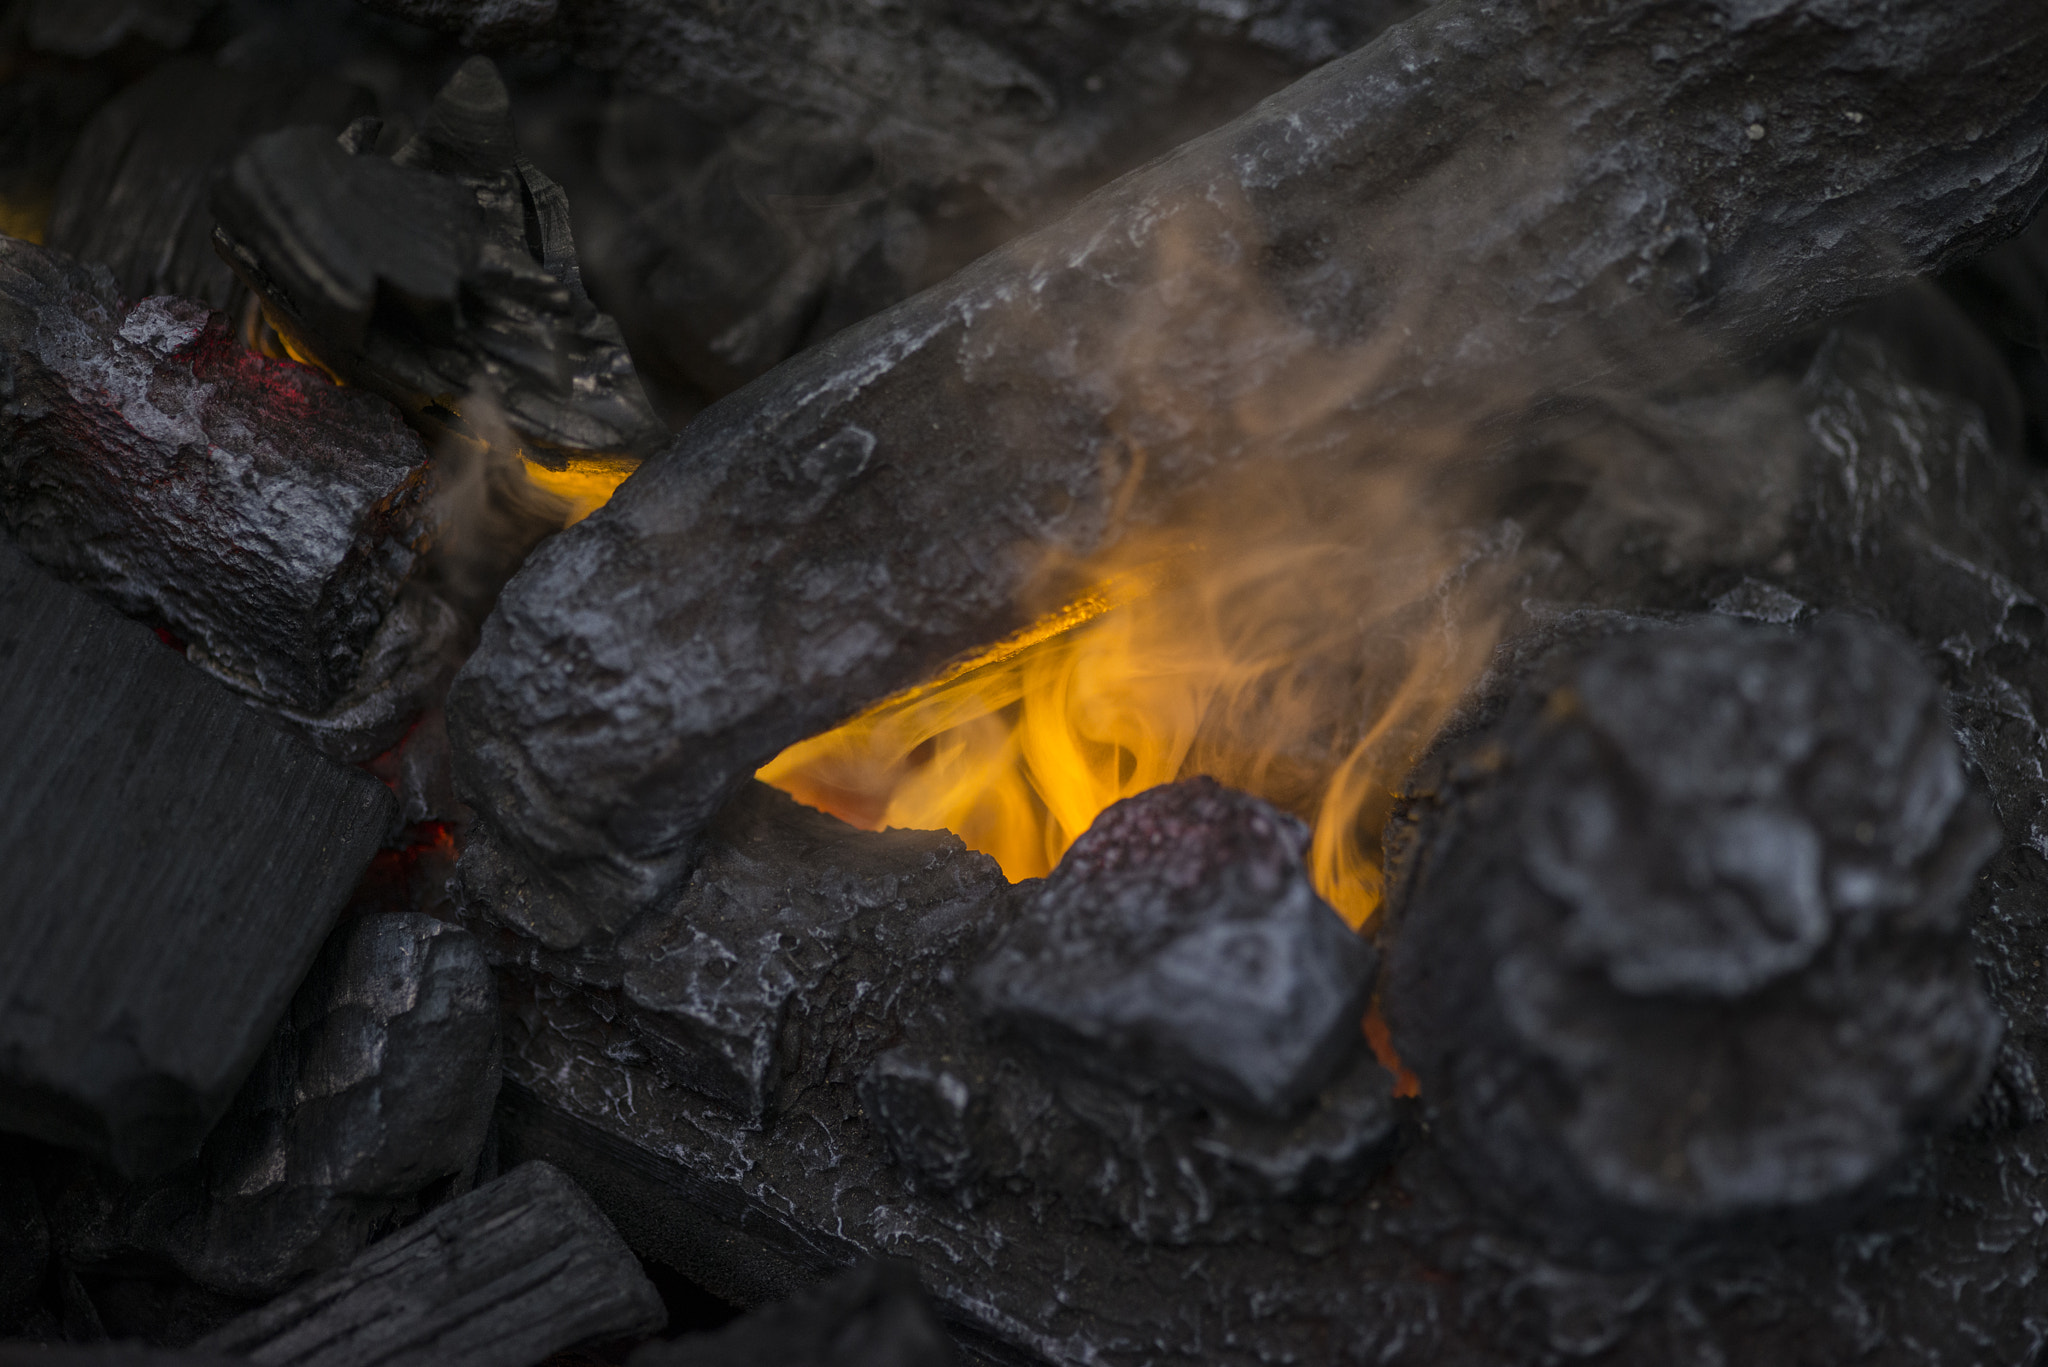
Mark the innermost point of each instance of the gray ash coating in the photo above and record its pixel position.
(1681, 941)
(260, 512)
(1180, 940)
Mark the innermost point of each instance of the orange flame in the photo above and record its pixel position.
(1300, 648)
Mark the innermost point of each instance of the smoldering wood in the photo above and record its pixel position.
(441, 274)
(778, 567)
(171, 865)
(516, 1270)
(262, 513)
(1682, 940)
(133, 196)
(874, 1315)
(375, 1094)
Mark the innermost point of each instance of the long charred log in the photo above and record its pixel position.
(842, 528)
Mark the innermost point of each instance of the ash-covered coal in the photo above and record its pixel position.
(373, 1098)
(777, 569)
(521, 1268)
(1180, 941)
(133, 196)
(1682, 940)
(874, 1315)
(439, 272)
(260, 512)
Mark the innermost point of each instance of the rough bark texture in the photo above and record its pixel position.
(518, 1269)
(260, 512)
(874, 1315)
(442, 275)
(375, 1094)
(169, 862)
(1682, 940)
(1470, 189)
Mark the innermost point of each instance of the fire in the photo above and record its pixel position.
(585, 483)
(1303, 647)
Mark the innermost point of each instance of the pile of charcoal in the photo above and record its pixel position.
(401, 964)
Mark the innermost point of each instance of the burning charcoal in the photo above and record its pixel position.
(442, 275)
(874, 1315)
(516, 1270)
(133, 194)
(170, 864)
(1179, 940)
(263, 514)
(781, 565)
(1682, 942)
(377, 1089)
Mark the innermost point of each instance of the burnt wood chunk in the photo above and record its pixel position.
(442, 275)
(133, 196)
(518, 1269)
(1179, 940)
(846, 525)
(170, 863)
(375, 1093)
(874, 1315)
(1682, 941)
(263, 514)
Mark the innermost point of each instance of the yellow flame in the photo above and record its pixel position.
(24, 219)
(1301, 660)
(586, 483)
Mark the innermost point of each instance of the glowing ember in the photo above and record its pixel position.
(586, 483)
(1298, 655)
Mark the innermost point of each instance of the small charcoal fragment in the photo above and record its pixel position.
(1681, 942)
(378, 1088)
(924, 1104)
(518, 1269)
(263, 514)
(441, 277)
(874, 1315)
(1179, 939)
(169, 864)
(133, 197)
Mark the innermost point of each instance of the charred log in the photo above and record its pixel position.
(148, 956)
(440, 274)
(252, 507)
(374, 1096)
(645, 663)
(518, 1269)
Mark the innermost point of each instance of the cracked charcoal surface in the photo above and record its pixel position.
(874, 1315)
(133, 196)
(769, 174)
(170, 863)
(441, 275)
(1179, 939)
(520, 1268)
(639, 667)
(1682, 940)
(375, 1094)
(260, 512)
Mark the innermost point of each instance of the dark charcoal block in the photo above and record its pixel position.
(443, 276)
(1681, 942)
(874, 1315)
(777, 568)
(376, 1092)
(133, 197)
(1179, 940)
(264, 514)
(170, 863)
(516, 1270)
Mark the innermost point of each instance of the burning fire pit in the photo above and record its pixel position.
(1068, 684)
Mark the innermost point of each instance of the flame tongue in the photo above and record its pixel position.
(1305, 668)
